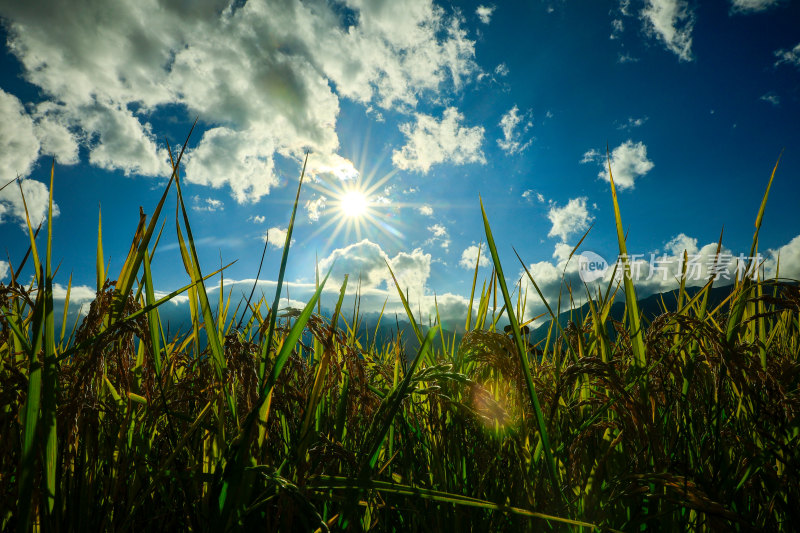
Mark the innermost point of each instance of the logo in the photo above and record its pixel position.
(591, 266)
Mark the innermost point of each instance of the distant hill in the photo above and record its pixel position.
(370, 332)
(650, 307)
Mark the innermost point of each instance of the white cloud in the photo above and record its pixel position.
(425, 210)
(439, 234)
(438, 230)
(3, 270)
(752, 6)
(78, 294)
(512, 143)
(501, 70)
(626, 58)
(561, 251)
(790, 57)
(266, 77)
(430, 142)
(530, 194)
(55, 137)
(633, 123)
(257, 219)
(367, 260)
(119, 141)
(333, 166)
(789, 255)
(569, 219)
(206, 204)
(680, 243)
(36, 198)
(617, 27)
(276, 236)
(19, 146)
(470, 254)
(672, 22)
(770, 98)
(652, 272)
(412, 271)
(591, 155)
(629, 162)
(314, 207)
(485, 13)
(239, 159)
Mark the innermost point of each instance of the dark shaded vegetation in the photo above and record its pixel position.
(687, 420)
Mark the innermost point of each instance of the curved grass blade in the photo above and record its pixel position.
(231, 498)
(523, 357)
(343, 483)
(631, 303)
(284, 258)
(389, 408)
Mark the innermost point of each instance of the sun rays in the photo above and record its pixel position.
(355, 205)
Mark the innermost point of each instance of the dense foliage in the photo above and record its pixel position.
(296, 422)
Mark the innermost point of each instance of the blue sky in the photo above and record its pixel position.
(420, 107)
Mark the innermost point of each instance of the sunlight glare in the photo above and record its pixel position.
(353, 204)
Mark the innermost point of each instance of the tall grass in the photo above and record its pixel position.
(288, 422)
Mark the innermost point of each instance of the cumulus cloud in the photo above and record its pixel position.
(257, 219)
(36, 198)
(315, 207)
(430, 141)
(789, 255)
(425, 210)
(25, 137)
(752, 6)
(3, 270)
(512, 142)
(363, 259)
(238, 159)
(19, 146)
(790, 57)
(671, 22)
(55, 137)
(323, 166)
(485, 13)
(276, 236)
(569, 219)
(680, 243)
(367, 260)
(470, 255)
(629, 162)
(501, 70)
(265, 78)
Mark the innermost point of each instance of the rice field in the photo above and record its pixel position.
(290, 422)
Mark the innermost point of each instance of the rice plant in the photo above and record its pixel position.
(288, 421)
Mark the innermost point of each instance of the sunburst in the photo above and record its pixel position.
(355, 206)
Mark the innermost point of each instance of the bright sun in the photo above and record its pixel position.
(353, 204)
